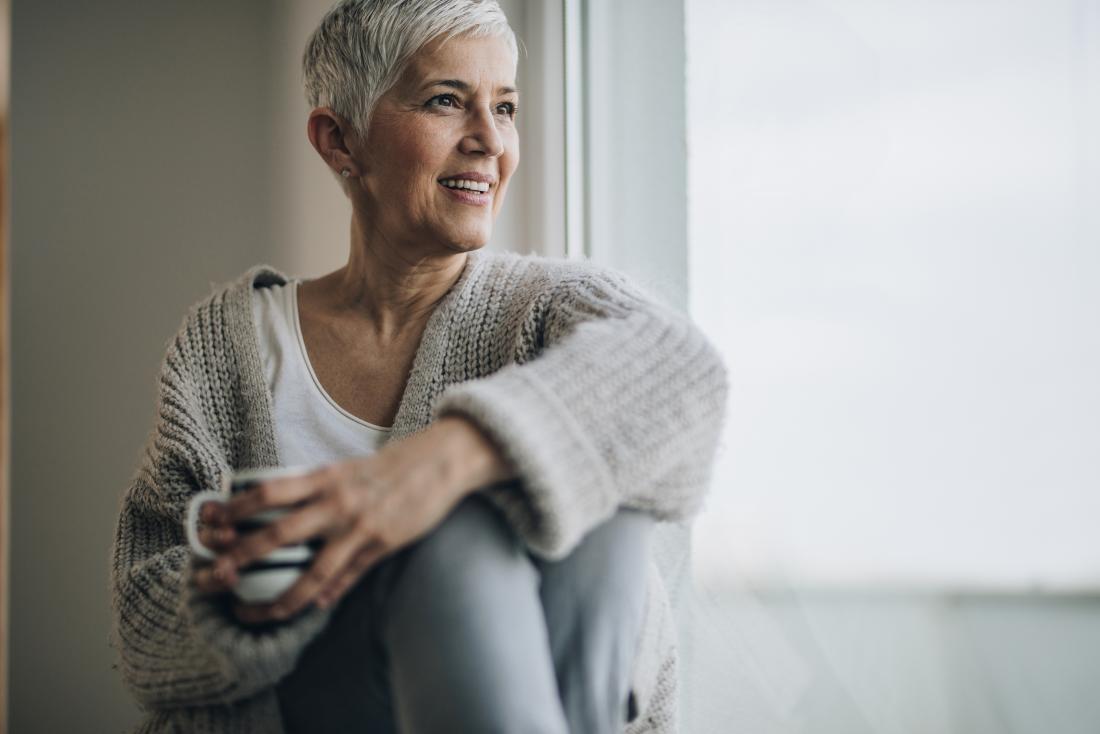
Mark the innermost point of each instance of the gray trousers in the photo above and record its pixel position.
(464, 631)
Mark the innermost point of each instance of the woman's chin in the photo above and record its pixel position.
(467, 241)
(467, 246)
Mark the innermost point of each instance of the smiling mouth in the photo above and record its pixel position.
(462, 184)
(469, 197)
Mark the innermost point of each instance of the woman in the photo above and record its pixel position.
(495, 435)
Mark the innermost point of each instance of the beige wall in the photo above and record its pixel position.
(310, 219)
(141, 170)
(158, 148)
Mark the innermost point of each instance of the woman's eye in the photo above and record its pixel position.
(439, 99)
(507, 108)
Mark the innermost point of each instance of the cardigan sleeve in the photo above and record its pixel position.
(623, 406)
(176, 646)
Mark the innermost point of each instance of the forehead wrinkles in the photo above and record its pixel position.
(461, 61)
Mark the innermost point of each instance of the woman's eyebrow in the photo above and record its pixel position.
(463, 86)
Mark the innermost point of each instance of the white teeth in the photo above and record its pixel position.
(461, 183)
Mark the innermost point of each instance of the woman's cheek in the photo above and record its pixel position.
(498, 200)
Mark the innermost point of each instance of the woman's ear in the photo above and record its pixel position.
(330, 136)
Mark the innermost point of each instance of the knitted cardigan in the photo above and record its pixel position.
(599, 397)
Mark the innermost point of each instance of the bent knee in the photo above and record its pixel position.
(473, 542)
(610, 562)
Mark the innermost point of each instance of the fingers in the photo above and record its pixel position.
(296, 527)
(213, 513)
(327, 565)
(363, 562)
(325, 504)
(216, 538)
(207, 583)
(277, 493)
(333, 587)
(253, 613)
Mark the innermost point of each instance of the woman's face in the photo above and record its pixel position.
(448, 125)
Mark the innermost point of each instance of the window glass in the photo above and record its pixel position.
(894, 211)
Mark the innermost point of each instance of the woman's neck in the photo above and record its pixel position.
(390, 288)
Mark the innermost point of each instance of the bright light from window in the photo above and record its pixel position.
(895, 240)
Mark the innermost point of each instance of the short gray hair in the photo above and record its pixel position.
(361, 47)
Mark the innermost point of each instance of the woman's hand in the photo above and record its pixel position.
(364, 509)
(218, 536)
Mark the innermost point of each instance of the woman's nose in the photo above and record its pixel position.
(483, 136)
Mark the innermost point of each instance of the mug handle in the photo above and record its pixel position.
(192, 524)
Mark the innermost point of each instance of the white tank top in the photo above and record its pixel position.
(310, 428)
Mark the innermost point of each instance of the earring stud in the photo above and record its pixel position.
(345, 173)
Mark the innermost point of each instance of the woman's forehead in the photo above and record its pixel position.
(468, 62)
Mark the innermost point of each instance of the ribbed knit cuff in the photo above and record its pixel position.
(565, 488)
(254, 657)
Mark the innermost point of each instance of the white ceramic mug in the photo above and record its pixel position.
(266, 579)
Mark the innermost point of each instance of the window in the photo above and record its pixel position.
(888, 223)
(894, 239)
